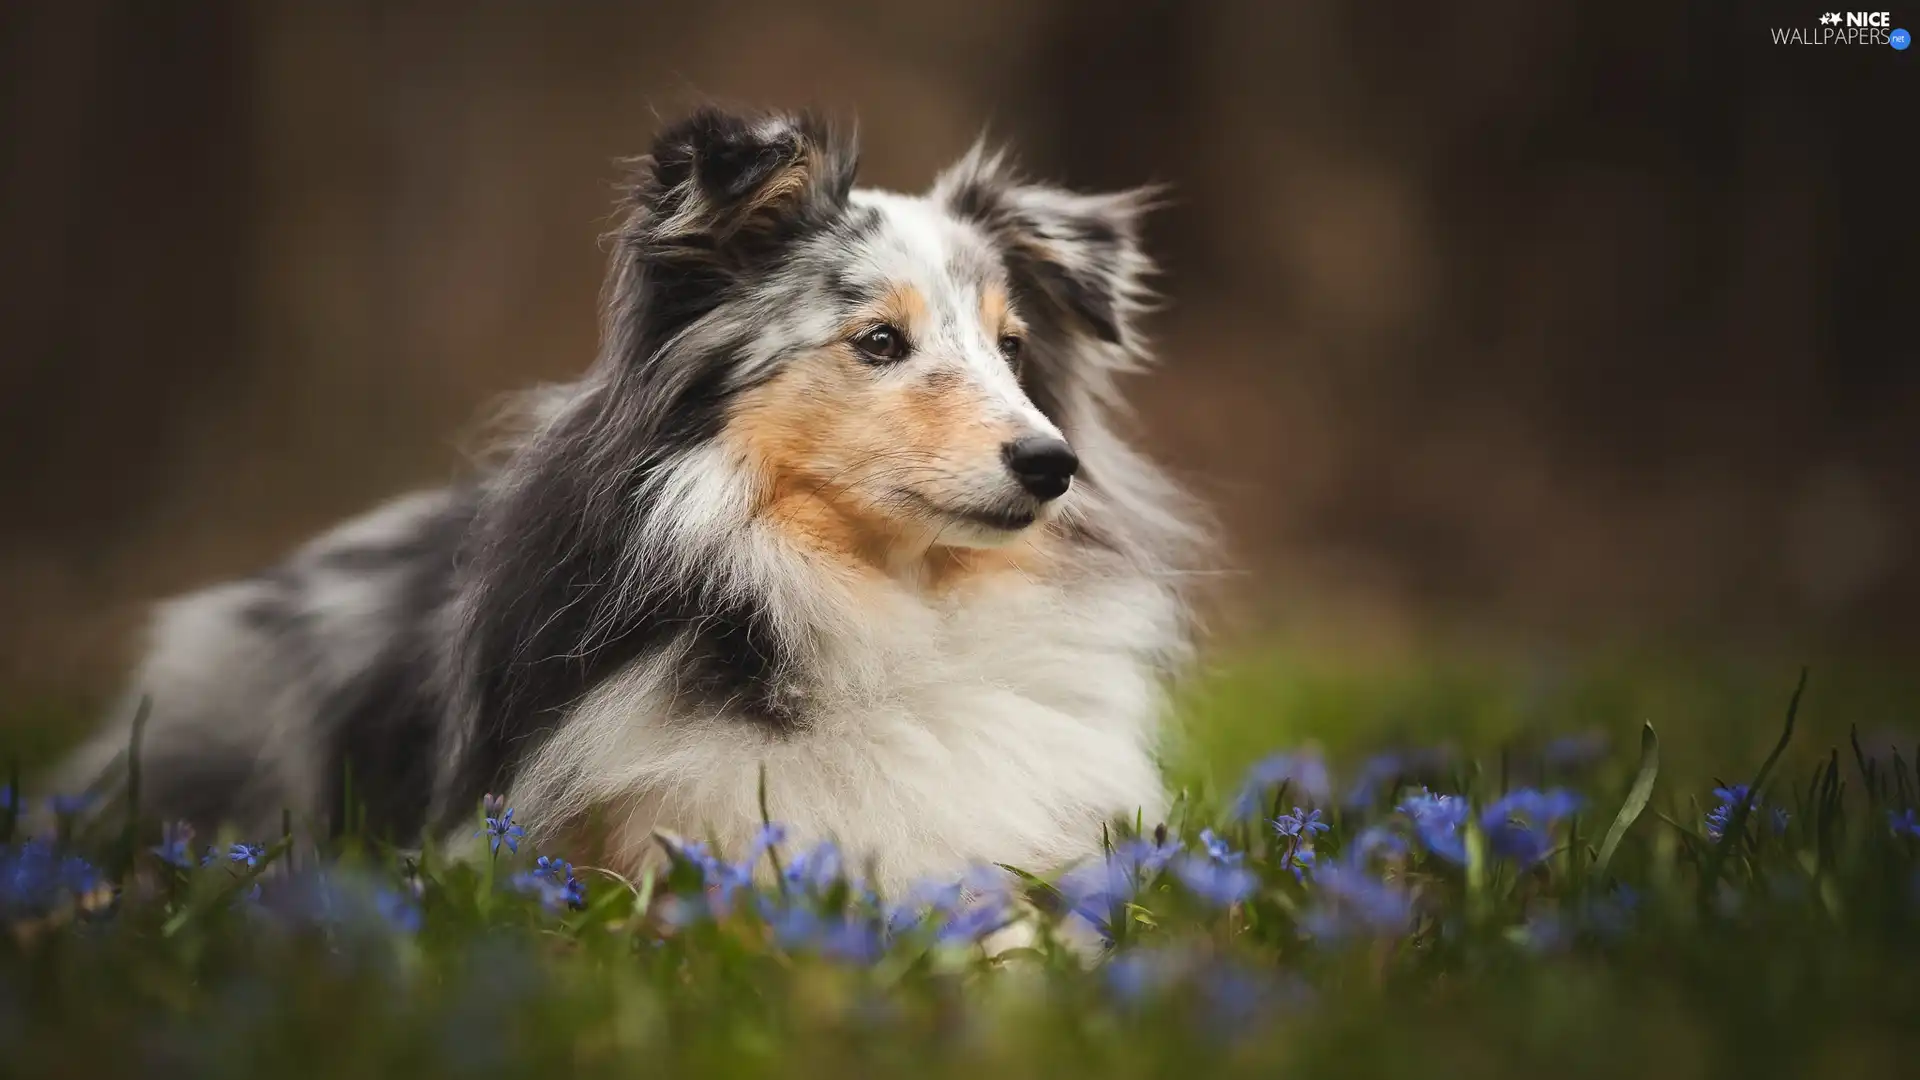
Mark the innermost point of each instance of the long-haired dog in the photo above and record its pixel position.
(838, 503)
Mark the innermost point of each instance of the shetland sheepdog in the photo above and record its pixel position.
(839, 504)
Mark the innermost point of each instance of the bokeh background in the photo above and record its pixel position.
(1541, 329)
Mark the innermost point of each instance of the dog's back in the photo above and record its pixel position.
(275, 692)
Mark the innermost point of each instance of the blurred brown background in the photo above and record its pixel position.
(1571, 321)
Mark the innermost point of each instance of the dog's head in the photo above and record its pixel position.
(886, 369)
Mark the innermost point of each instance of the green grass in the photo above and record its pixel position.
(1763, 953)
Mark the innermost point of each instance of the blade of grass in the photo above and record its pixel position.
(766, 821)
(1637, 798)
(1737, 820)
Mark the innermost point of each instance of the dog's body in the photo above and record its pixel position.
(810, 512)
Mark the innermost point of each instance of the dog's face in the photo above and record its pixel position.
(888, 370)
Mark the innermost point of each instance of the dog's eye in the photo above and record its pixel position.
(1010, 346)
(882, 343)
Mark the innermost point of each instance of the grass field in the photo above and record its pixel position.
(1505, 877)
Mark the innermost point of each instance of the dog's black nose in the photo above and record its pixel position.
(1043, 464)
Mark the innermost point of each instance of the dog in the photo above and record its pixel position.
(837, 517)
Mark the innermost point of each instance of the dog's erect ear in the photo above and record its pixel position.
(1080, 253)
(722, 188)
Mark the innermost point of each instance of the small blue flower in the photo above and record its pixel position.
(501, 830)
(174, 848)
(1437, 820)
(975, 921)
(1236, 996)
(1611, 916)
(1519, 826)
(1376, 840)
(1094, 889)
(553, 882)
(797, 928)
(816, 868)
(1301, 864)
(397, 910)
(1389, 768)
(250, 854)
(1353, 901)
(1545, 932)
(1149, 856)
(1137, 975)
(67, 806)
(1904, 823)
(1218, 849)
(1304, 773)
(1217, 883)
(771, 835)
(1302, 824)
(34, 878)
(1730, 797)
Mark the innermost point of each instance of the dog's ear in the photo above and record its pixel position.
(1078, 256)
(723, 189)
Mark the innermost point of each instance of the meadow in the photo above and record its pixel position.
(1658, 869)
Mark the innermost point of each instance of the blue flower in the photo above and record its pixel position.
(1519, 825)
(346, 900)
(397, 910)
(501, 830)
(1136, 975)
(1302, 824)
(1376, 840)
(34, 878)
(556, 889)
(816, 868)
(250, 854)
(1305, 773)
(975, 921)
(797, 928)
(1904, 823)
(174, 849)
(1301, 863)
(770, 835)
(1218, 849)
(70, 805)
(853, 940)
(553, 880)
(1150, 856)
(1545, 932)
(1437, 820)
(1352, 901)
(1236, 996)
(1388, 768)
(1611, 916)
(1094, 889)
(1730, 797)
(1217, 883)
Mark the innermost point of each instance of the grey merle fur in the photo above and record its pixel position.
(506, 601)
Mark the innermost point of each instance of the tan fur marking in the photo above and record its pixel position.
(843, 457)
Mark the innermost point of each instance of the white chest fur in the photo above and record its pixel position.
(1006, 727)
